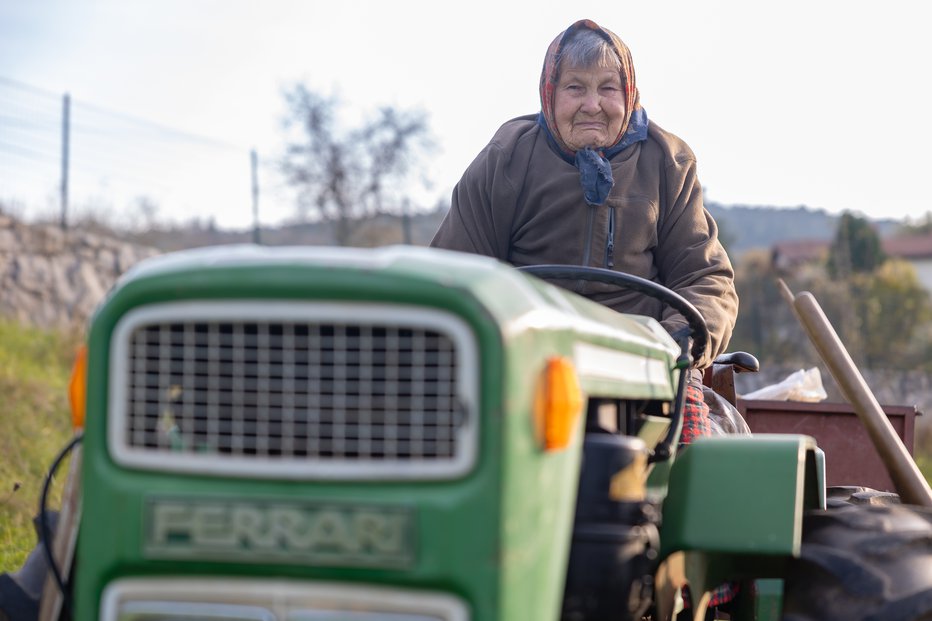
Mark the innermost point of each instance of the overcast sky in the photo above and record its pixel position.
(824, 104)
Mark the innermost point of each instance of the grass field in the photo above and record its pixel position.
(34, 369)
(924, 461)
(34, 416)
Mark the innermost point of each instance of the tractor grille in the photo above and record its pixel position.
(349, 392)
(196, 598)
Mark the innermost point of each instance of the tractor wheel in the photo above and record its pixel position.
(861, 563)
(844, 495)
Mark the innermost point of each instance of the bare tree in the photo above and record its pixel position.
(342, 176)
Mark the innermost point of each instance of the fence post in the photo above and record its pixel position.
(254, 159)
(66, 114)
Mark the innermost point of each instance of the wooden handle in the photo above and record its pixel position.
(911, 485)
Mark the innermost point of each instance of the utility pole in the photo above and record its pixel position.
(406, 221)
(66, 114)
(254, 159)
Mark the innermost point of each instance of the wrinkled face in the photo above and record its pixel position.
(589, 107)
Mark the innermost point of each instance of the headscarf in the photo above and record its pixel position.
(594, 169)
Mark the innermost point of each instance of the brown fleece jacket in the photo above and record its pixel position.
(520, 202)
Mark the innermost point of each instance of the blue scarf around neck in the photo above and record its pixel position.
(595, 170)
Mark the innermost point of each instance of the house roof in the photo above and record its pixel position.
(801, 248)
(787, 254)
(791, 253)
(909, 246)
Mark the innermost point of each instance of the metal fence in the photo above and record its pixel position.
(68, 160)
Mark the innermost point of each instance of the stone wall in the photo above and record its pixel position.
(52, 278)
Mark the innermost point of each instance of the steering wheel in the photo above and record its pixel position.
(698, 331)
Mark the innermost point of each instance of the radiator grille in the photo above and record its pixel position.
(237, 599)
(350, 392)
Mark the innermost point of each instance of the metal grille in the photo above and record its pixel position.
(336, 392)
(233, 599)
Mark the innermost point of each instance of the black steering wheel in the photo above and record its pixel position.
(698, 331)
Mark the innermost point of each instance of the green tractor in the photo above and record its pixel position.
(409, 434)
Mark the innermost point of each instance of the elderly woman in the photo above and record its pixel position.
(590, 181)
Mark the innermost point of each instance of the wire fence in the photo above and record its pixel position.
(123, 170)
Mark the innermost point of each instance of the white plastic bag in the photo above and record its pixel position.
(802, 385)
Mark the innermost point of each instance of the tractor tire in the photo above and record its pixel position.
(844, 495)
(864, 562)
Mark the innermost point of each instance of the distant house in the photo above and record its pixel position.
(789, 256)
(917, 249)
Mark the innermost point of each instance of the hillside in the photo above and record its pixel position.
(54, 277)
(372, 231)
(746, 227)
(743, 227)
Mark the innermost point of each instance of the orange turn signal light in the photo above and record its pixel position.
(77, 388)
(558, 404)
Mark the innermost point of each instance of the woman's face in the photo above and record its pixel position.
(589, 107)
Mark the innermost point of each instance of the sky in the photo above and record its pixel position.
(823, 104)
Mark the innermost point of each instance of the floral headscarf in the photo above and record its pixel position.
(593, 165)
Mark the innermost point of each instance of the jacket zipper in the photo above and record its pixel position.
(587, 253)
(610, 240)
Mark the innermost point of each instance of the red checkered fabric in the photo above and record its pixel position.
(720, 596)
(695, 416)
(724, 594)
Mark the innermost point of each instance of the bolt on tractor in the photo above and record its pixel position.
(411, 434)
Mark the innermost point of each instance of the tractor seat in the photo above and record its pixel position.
(720, 377)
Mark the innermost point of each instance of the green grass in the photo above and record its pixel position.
(923, 446)
(36, 423)
(924, 461)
